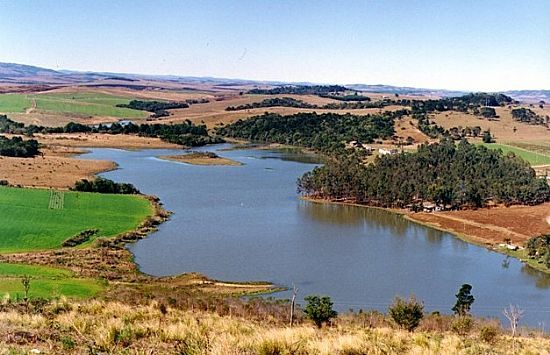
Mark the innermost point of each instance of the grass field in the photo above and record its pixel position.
(27, 223)
(46, 282)
(87, 103)
(541, 148)
(14, 103)
(532, 157)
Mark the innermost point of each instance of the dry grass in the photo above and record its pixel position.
(98, 140)
(503, 129)
(59, 169)
(51, 170)
(112, 327)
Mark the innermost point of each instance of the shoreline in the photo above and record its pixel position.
(468, 238)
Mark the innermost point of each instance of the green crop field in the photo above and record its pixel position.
(14, 103)
(532, 157)
(86, 104)
(28, 223)
(45, 282)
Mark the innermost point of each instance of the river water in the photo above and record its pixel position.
(244, 223)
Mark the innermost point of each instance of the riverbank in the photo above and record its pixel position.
(106, 259)
(59, 167)
(487, 227)
(201, 158)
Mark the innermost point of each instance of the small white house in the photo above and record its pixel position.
(384, 151)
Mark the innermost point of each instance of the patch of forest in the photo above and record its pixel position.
(159, 108)
(526, 115)
(105, 186)
(17, 147)
(300, 90)
(274, 102)
(351, 97)
(291, 102)
(325, 132)
(450, 175)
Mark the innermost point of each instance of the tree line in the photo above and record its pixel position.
(185, 133)
(325, 132)
(291, 102)
(158, 108)
(300, 90)
(350, 97)
(105, 186)
(450, 175)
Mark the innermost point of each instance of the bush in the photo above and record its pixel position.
(462, 325)
(407, 313)
(319, 309)
(488, 333)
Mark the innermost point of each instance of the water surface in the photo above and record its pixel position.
(246, 223)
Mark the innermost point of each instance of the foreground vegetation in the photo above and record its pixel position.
(113, 327)
(37, 219)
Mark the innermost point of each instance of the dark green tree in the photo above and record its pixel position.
(407, 313)
(464, 300)
(319, 309)
(487, 137)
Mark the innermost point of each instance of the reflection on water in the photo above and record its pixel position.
(246, 223)
(371, 218)
(542, 280)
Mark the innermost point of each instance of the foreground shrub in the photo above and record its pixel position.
(488, 333)
(462, 325)
(407, 313)
(319, 309)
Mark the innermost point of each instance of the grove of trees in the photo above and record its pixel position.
(17, 147)
(325, 132)
(105, 186)
(456, 176)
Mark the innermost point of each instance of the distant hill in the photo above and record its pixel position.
(11, 73)
(532, 96)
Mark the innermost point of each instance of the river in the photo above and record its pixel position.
(244, 223)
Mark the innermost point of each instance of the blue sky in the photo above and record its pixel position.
(455, 44)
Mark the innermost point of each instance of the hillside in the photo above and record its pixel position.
(97, 327)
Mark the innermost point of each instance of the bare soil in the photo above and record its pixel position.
(492, 225)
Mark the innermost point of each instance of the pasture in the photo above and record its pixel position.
(78, 103)
(14, 103)
(45, 282)
(532, 157)
(37, 219)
